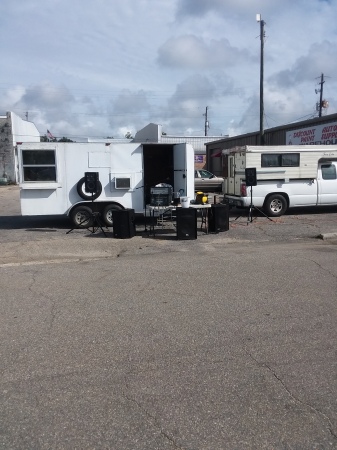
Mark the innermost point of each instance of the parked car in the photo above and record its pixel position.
(206, 181)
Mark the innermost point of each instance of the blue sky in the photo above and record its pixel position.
(103, 67)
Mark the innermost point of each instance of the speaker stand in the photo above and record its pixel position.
(253, 208)
(96, 222)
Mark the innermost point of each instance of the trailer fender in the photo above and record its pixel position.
(87, 195)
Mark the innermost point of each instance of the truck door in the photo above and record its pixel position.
(327, 183)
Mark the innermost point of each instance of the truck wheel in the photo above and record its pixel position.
(82, 217)
(88, 195)
(107, 214)
(275, 205)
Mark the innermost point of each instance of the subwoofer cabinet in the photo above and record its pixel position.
(218, 218)
(123, 222)
(186, 223)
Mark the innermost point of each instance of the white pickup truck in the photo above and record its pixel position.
(286, 177)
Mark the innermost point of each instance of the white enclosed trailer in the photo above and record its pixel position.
(51, 176)
(287, 176)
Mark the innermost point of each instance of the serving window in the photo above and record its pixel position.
(39, 165)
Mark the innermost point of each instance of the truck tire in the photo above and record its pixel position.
(81, 217)
(107, 213)
(275, 205)
(87, 195)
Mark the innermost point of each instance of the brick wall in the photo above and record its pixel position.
(6, 150)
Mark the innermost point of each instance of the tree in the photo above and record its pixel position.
(128, 135)
(45, 138)
(65, 139)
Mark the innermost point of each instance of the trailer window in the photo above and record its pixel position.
(328, 172)
(39, 165)
(280, 160)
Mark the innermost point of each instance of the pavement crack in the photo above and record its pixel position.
(154, 420)
(296, 399)
(323, 268)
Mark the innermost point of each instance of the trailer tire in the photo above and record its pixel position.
(107, 213)
(87, 195)
(82, 217)
(275, 205)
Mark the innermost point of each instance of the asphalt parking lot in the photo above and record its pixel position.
(20, 233)
(220, 343)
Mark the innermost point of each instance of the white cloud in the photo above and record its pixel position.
(192, 52)
(92, 68)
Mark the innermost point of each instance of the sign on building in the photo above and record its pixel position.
(317, 135)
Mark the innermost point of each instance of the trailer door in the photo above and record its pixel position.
(327, 183)
(183, 157)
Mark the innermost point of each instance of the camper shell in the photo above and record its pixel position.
(52, 176)
(286, 176)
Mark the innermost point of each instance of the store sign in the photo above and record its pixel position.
(319, 135)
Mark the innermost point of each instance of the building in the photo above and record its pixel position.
(13, 129)
(319, 131)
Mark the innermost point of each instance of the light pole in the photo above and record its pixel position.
(258, 19)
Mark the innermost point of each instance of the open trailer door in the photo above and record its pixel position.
(183, 162)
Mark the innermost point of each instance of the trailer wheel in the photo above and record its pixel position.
(88, 195)
(82, 217)
(107, 213)
(275, 205)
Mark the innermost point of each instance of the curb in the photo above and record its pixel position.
(325, 236)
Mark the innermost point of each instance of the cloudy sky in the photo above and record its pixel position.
(105, 67)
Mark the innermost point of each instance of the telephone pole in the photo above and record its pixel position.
(321, 96)
(262, 36)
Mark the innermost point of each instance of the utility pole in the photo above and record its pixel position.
(321, 96)
(206, 121)
(262, 36)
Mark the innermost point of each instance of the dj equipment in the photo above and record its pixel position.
(161, 196)
(123, 222)
(186, 223)
(250, 175)
(218, 218)
(91, 182)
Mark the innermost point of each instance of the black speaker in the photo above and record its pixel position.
(250, 175)
(91, 180)
(186, 223)
(123, 222)
(218, 218)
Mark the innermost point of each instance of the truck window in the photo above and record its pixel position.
(280, 160)
(38, 165)
(328, 171)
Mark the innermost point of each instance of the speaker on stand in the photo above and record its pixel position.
(250, 175)
(92, 190)
(91, 182)
(251, 180)
(186, 223)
